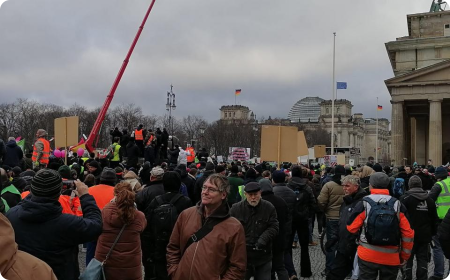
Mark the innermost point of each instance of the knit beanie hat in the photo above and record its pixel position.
(108, 175)
(209, 166)
(415, 182)
(94, 164)
(46, 183)
(440, 173)
(64, 172)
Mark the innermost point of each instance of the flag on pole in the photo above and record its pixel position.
(238, 91)
(380, 108)
(341, 85)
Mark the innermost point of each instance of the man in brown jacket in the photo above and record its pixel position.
(16, 264)
(330, 200)
(221, 254)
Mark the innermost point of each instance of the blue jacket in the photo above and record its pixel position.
(44, 232)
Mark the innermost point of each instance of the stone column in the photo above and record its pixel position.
(339, 139)
(435, 134)
(398, 133)
(352, 139)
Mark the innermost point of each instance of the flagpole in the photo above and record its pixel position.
(376, 141)
(333, 91)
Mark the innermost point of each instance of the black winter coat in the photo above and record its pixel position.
(133, 153)
(280, 242)
(13, 154)
(174, 156)
(261, 228)
(296, 183)
(365, 184)
(347, 241)
(145, 197)
(44, 232)
(422, 214)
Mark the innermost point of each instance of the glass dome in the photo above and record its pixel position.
(306, 109)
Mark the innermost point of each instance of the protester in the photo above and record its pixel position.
(330, 200)
(345, 254)
(386, 246)
(152, 190)
(16, 264)
(423, 219)
(261, 226)
(124, 262)
(103, 193)
(444, 235)
(55, 236)
(115, 150)
(161, 214)
(199, 258)
(13, 153)
(9, 193)
(209, 169)
(281, 241)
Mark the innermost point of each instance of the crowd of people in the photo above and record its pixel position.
(186, 220)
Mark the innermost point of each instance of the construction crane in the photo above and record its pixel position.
(436, 6)
(101, 116)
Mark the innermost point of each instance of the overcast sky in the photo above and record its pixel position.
(277, 52)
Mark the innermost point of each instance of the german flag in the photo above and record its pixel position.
(380, 108)
(238, 91)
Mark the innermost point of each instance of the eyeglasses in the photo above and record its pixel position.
(210, 190)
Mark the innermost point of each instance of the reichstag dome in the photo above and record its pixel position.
(305, 110)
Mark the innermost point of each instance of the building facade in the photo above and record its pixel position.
(420, 90)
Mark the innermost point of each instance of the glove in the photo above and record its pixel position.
(36, 164)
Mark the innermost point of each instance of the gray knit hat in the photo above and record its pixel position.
(46, 183)
(415, 182)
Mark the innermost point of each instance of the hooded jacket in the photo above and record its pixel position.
(145, 197)
(13, 154)
(422, 214)
(300, 184)
(283, 216)
(126, 257)
(219, 255)
(330, 199)
(347, 241)
(55, 235)
(133, 180)
(16, 264)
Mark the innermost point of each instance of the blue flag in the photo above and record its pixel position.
(341, 85)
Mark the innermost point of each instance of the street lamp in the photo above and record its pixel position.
(170, 105)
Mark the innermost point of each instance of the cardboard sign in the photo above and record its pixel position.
(319, 151)
(66, 131)
(302, 147)
(279, 143)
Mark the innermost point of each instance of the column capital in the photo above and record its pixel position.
(435, 100)
(397, 102)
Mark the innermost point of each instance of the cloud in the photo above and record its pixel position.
(64, 51)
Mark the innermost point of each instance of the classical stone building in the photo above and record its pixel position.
(420, 90)
(350, 130)
(236, 113)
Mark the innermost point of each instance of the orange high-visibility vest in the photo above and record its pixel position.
(45, 152)
(191, 158)
(150, 139)
(138, 135)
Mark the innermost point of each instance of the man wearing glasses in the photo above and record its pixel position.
(259, 219)
(206, 243)
(346, 250)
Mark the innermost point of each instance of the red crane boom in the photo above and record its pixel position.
(101, 116)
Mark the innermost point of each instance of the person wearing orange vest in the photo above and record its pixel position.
(191, 157)
(103, 194)
(375, 258)
(139, 139)
(41, 149)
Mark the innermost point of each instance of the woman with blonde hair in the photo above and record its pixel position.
(121, 221)
(364, 176)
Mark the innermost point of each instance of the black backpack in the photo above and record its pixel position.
(301, 208)
(162, 220)
(383, 223)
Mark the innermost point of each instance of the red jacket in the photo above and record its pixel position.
(385, 255)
